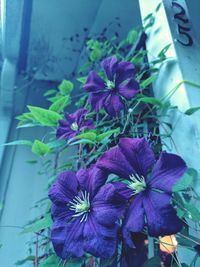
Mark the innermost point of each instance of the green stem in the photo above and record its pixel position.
(186, 237)
(36, 253)
(171, 92)
(128, 117)
(126, 122)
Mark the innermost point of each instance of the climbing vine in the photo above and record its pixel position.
(114, 193)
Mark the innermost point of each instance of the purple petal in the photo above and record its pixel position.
(167, 171)
(113, 105)
(65, 123)
(61, 212)
(64, 129)
(161, 216)
(138, 153)
(94, 82)
(91, 179)
(123, 190)
(65, 133)
(100, 241)
(109, 65)
(79, 115)
(87, 124)
(125, 70)
(97, 100)
(129, 90)
(114, 161)
(134, 219)
(64, 189)
(69, 119)
(67, 239)
(108, 205)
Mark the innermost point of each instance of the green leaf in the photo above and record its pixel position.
(29, 258)
(60, 104)
(180, 212)
(192, 212)
(158, 7)
(102, 136)
(85, 67)
(95, 54)
(190, 111)
(39, 225)
(151, 100)
(149, 21)
(45, 117)
(66, 87)
(18, 142)
(82, 79)
(27, 116)
(152, 262)
(50, 92)
(54, 98)
(82, 141)
(26, 119)
(51, 261)
(74, 263)
(138, 58)
(148, 81)
(148, 17)
(163, 51)
(93, 44)
(39, 148)
(183, 183)
(132, 37)
(27, 125)
(87, 135)
(31, 161)
(56, 144)
(192, 172)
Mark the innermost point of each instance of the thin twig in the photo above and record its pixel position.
(36, 252)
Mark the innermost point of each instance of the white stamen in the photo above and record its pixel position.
(80, 205)
(137, 183)
(74, 126)
(110, 84)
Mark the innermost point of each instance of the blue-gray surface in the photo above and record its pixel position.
(36, 38)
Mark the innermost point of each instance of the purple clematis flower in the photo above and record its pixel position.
(148, 186)
(73, 124)
(85, 214)
(119, 84)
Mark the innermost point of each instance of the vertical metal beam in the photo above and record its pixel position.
(174, 25)
(11, 11)
(25, 35)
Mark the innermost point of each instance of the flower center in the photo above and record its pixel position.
(81, 205)
(137, 183)
(110, 84)
(74, 126)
